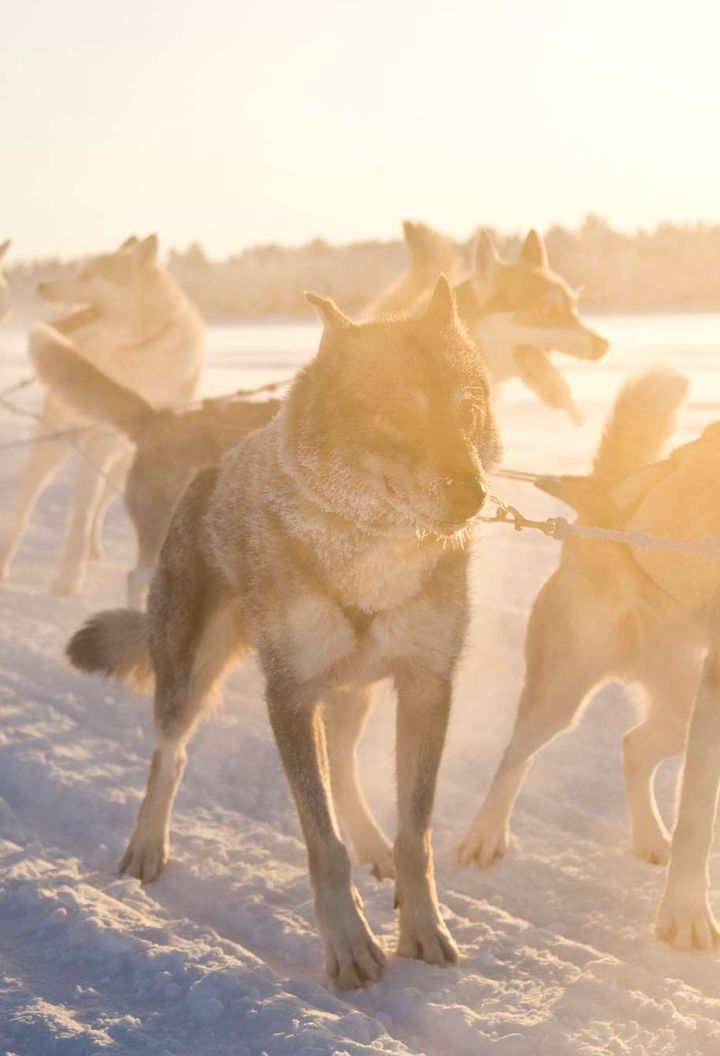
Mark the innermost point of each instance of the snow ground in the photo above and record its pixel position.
(220, 955)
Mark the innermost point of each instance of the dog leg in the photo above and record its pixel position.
(346, 712)
(147, 852)
(569, 649)
(138, 581)
(96, 456)
(685, 919)
(186, 672)
(353, 956)
(544, 711)
(423, 712)
(151, 532)
(44, 460)
(644, 748)
(114, 485)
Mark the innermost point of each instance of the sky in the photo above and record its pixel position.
(237, 123)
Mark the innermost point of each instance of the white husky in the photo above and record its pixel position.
(140, 329)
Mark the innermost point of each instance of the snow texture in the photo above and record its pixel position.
(221, 955)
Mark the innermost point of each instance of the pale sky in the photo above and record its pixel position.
(235, 123)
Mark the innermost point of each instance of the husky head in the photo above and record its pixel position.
(524, 305)
(4, 288)
(112, 283)
(391, 423)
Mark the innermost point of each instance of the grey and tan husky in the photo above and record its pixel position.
(333, 541)
(611, 611)
(170, 445)
(140, 329)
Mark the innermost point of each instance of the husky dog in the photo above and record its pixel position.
(519, 312)
(4, 288)
(170, 446)
(431, 255)
(332, 541)
(611, 611)
(141, 330)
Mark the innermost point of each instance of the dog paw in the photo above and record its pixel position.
(487, 841)
(145, 857)
(427, 939)
(686, 922)
(652, 847)
(353, 957)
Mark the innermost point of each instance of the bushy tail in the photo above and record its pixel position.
(640, 422)
(114, 643)
(83, 387)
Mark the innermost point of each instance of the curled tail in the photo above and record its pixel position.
(642, 419)
(114, 643)
(85, 388)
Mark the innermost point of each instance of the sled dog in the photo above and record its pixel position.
(520, 312)
(170, 446)
(141, 330)
(612, 611)
(333, 540)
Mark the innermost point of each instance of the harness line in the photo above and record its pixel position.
(560, 528)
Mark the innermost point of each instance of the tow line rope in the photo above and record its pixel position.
(560, 528)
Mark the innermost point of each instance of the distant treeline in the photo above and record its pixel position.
(674, 267)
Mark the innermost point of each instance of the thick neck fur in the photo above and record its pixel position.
(375, 557)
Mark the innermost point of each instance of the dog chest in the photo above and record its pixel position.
(384, 575)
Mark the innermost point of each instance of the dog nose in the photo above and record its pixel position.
(465, 495)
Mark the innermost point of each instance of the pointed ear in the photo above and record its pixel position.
(129, 243)
(410, 233)
(533, 251)
(146, 251)
(486, 259)
(441, 309)
(330, 315)
(4, 247)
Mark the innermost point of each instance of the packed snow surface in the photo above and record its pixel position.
(221, 955)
